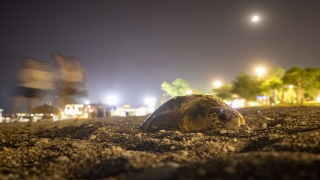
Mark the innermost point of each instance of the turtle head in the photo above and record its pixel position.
(231, 118)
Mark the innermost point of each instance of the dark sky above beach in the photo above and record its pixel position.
(130, 47)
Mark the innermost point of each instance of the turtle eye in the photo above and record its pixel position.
(223, 117)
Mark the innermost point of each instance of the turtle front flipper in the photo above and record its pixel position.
(156, 122)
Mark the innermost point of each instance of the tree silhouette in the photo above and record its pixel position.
(306, 81)
(247, 86)
(178, 87)
(223, 92)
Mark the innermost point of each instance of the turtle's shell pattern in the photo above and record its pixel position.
(193, 113)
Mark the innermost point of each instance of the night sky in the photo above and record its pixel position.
(130, 47)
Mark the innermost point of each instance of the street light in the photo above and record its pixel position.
(151, 103)
(260, 71)
(217, 84)
(188, 92)
(112, 100)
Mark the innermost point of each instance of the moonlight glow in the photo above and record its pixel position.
(255, 18)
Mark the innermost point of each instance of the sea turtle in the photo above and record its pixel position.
(193, 113)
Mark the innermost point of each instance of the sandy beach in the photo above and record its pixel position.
(275, 143)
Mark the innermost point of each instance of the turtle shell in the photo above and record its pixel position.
(193, 113)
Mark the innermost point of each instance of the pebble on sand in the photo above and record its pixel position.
(61, 159)
(230, 148)
(75, 144)
(264, 125)
(92, 136)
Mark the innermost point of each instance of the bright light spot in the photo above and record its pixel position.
(142, 111)
(217, 84)
(291, 86)
(149, 100)
(237, 103)
(72, 109)
(253, 103)
(112, 100)
(151, 103)
(318, 99)
(87, 102)
(255, 18)
(260, 71)
(189, 92)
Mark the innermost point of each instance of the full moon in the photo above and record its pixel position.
(255, 18)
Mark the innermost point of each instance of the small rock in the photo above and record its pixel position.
(61, 159)
(78, 145)
(267, 118)
(185, 153)
(246, 131)
(92, 136)
(230, 148)
(116, 148)
(138, 135)
(224, 150)
(166, 140)
(263, 125)
(162, 130)
(278, 125)
(172, 147)
(32, 139)
(223, 131)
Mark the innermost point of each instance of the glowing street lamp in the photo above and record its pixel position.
(217, 84)
(151, 103)
(189, 92)
(112, 100)
(260, 71)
